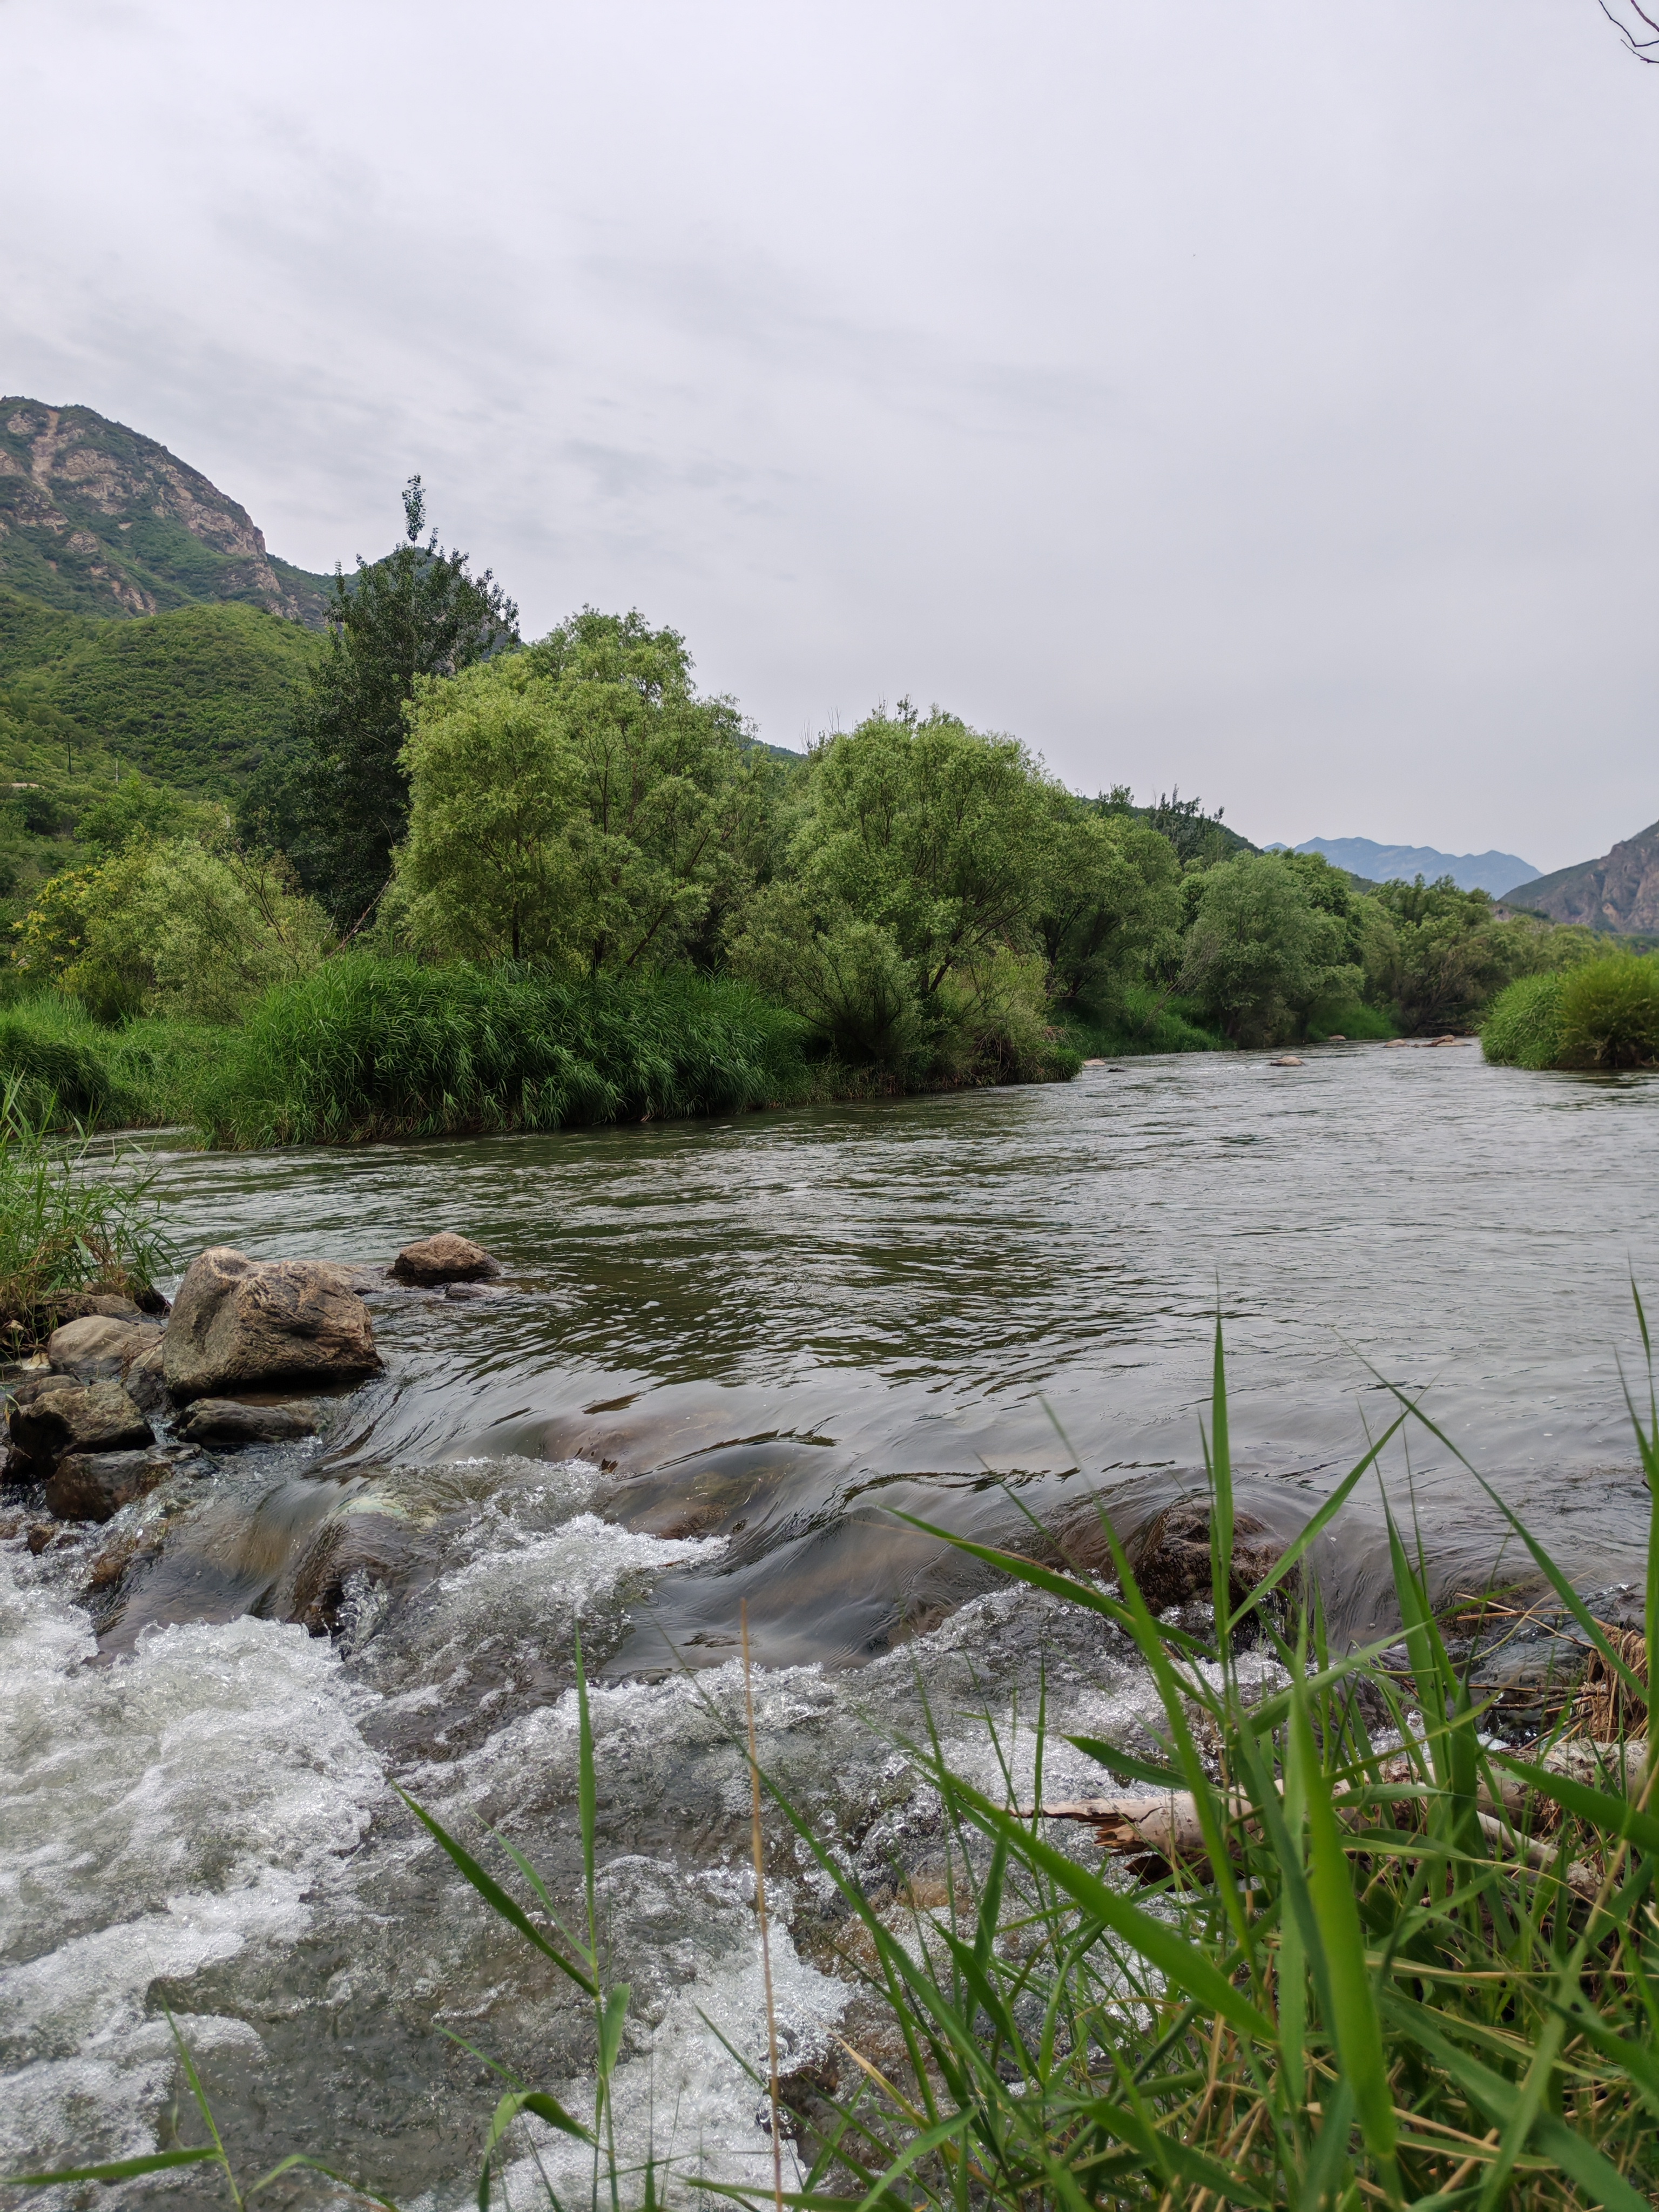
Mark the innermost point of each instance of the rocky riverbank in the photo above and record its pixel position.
(123, 1402)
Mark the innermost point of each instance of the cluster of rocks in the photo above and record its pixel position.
(230, 1365)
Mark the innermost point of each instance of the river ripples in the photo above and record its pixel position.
(723, 1358)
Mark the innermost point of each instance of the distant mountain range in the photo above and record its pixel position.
(95, 519)
(1496, 873)
(1618, 892)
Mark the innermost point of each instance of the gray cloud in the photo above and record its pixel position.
(1254, 399)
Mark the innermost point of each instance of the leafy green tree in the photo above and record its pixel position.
(1111, 899)
(929, 829)
(1443, 952)
(917, 859)
(1259, 952)
(340, 805)
(578, 803)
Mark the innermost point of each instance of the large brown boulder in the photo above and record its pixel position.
(242, 1324)
(95, 1485)
(96, 1417)
(445, 1258)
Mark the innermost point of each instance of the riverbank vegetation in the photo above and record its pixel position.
(1603, 1014)
(213, 810)
(66, 1234)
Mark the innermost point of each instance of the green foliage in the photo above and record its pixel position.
(1522, 1025)
(1608, 1013)
(198, 698)
(1601, 1013)
(1259, 953)
(1111, 899)
(173, 928)
(340, 805)
(1440, 954)
(1352, 1020)
(1139, 1019)
(371, 1047)
(577, 803)
(71, 1069)
(31, 632)
(912, 869)
(64, 1231)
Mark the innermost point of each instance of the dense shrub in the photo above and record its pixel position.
(1609, 1014)
(368, 1048)
(1604, 1014)
(1523, 1028)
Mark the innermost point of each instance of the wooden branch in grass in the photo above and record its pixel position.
(1164, 1824)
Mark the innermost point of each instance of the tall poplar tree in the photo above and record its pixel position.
(342, 806)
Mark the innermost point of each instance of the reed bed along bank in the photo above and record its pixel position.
(1604, 1015)
(1342, 1947)
(371, 1047)
(66, 1231)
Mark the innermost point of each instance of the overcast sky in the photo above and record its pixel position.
(1256, 398)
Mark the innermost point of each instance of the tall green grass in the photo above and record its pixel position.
(68, 1225)
(1141, 1020)
(1609, 1012)
(369, 1048)
(1603, 1014)
(1523, 1027)
(79, 1072)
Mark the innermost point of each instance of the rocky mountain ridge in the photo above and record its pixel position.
(1618, 892)
(96, 519)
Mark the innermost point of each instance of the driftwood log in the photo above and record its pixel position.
(1164, 1825)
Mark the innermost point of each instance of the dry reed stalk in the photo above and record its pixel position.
(1607, 1709)
(760, 1910)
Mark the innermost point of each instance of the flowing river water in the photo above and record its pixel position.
(722, 1358)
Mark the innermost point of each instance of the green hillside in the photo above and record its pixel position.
(196, 698)
(193, 700)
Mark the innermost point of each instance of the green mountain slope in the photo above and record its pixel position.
(196, 698)
(96, 519)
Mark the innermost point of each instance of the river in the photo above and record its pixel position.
(722, 1356)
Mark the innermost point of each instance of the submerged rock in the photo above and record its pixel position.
(1286, 1060)
(1171, 1556)
(97, 1417)
(350, 1553)
(227, 1424)
(95, 1485)
(246, 1324)
(445, 1258)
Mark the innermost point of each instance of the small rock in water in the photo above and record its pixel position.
(1094, 1063)
(242, 1324)
(95, 1485)
(1394, 1043)
(1287, 1059)
(227, 1424)
(445, 1258)
(1336, 1038)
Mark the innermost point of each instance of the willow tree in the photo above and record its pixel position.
(578, 803)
